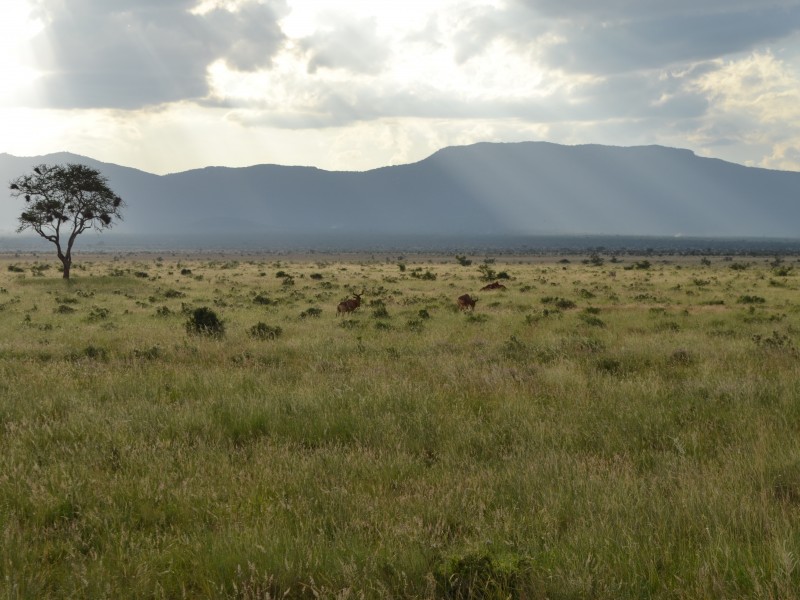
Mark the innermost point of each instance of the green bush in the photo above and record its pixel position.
(262, 331)
(313, 312)
(263, 299)
(204, 321)
(484, 576)
(748, 299)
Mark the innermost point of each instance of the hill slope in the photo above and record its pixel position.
(522, 188)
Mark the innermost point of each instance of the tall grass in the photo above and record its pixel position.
(639, 440)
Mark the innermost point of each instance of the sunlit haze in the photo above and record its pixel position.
(171, 85)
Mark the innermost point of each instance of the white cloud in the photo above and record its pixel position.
(344, 43)
(171, 84)
(757, 98)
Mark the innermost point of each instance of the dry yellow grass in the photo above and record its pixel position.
(621, 430)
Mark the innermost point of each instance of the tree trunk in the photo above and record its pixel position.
(67, 262)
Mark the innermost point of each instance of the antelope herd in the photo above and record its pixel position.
(465, 301)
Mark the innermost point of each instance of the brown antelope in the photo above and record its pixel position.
(466, 302)
(496, 285)
(350, 304)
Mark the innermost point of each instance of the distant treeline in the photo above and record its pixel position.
(493, 244)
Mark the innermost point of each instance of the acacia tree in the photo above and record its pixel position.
(63, 201)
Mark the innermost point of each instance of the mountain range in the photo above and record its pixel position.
(525, 188)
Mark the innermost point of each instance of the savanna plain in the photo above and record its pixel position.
(196, 426)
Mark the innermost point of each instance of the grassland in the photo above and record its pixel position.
(626, 429)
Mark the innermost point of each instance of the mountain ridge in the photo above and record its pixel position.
(522, 188)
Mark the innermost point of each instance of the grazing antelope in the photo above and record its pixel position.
(493, 286)
(350, 304)
(466, 302)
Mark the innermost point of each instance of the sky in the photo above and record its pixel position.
(171, 85)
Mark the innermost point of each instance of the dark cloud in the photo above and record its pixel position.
(637, 96)
(657, 43)
(346, 44)
(617, 36)
(114, 54)
(630, 97)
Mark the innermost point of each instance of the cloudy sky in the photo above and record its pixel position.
(168, 85)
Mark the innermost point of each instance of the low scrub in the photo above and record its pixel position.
(204, 321)
(262, 331)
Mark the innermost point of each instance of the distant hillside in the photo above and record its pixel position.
(522, 188)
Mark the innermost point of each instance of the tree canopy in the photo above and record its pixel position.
(63, 201)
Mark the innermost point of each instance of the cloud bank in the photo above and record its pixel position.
(718, 76)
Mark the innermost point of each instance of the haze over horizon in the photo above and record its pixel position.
(171, 85)
(526, 188)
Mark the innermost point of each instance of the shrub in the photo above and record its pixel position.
(263, 299)
(514, 348)
(681, 358)
(477, 318)
(91, 352)
(747, 299)
(15, 269)
(667, 327)
(426, 276)
(151, 353)
(594, 259)
(312, 312)
(561, 303)
(564, 304)
(262, 331)
(204, 321)
(782, 271)
(414, 325)
(379, 309)
(98, 313)
(592, 321)
(775, 341)
(487, 272)
(609, 365)
(480, 575)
